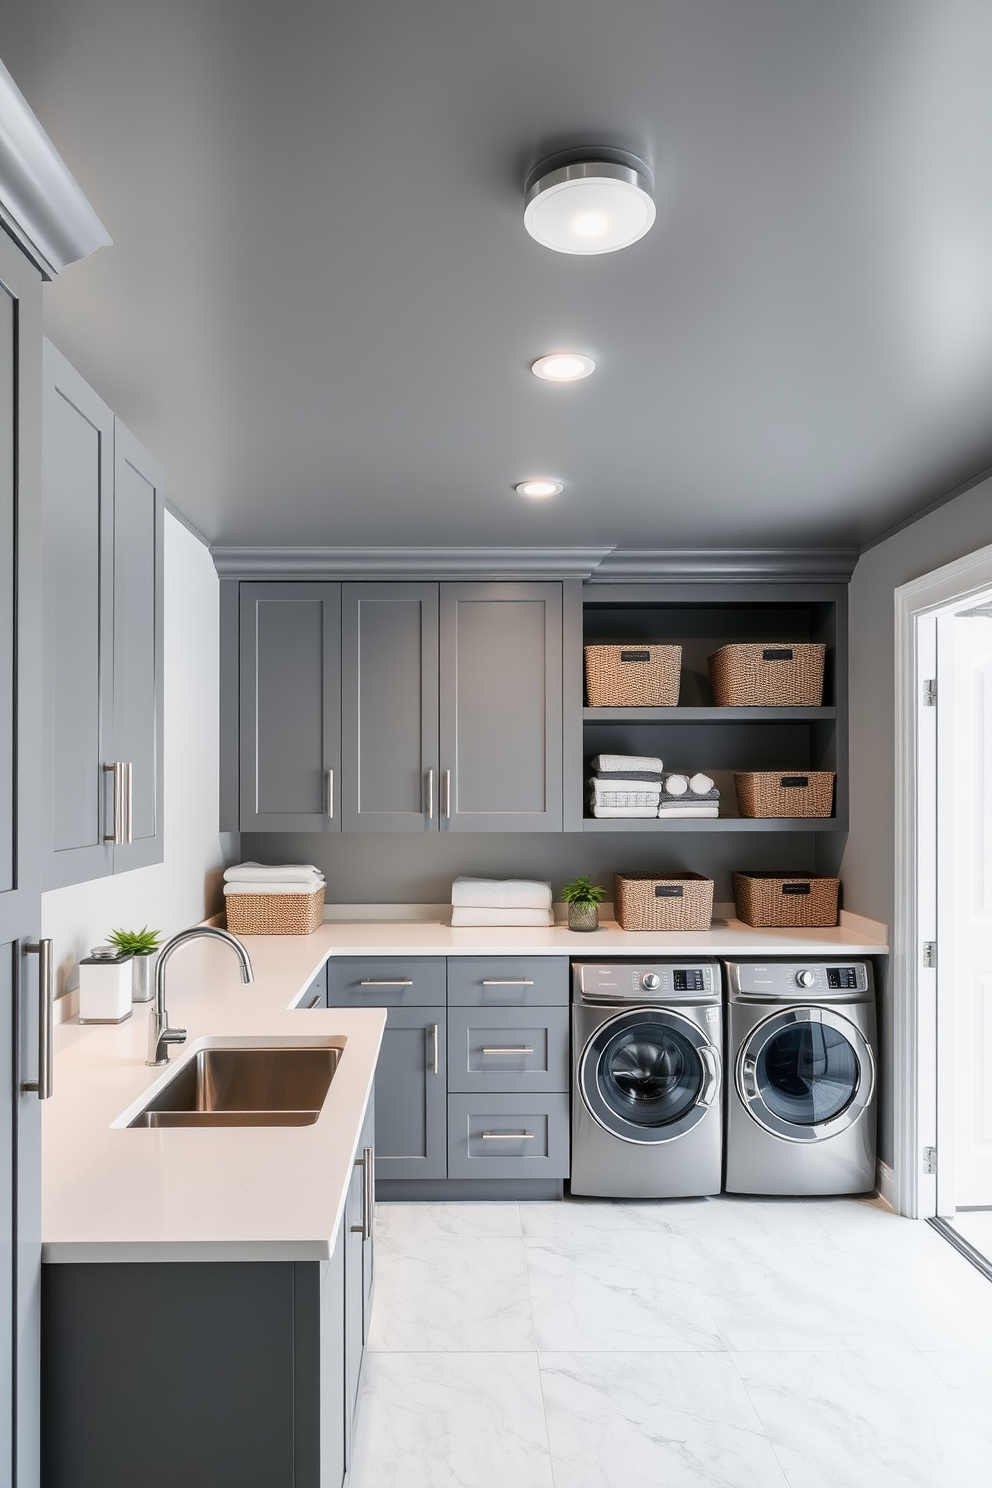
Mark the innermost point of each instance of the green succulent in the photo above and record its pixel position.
(581, 891)
(134, 942)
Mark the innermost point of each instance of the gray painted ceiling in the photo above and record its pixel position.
(321, 304)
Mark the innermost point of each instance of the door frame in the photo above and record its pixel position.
(918, 605)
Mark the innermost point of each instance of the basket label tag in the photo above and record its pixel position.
(790, 781)
(777, 653)
(635, 655)
(796, 888)
(668, 891)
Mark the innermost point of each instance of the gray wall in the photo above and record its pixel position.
(953, 530)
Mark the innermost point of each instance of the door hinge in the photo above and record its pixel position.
(930, 693)
(930, 1160)
(929, 954)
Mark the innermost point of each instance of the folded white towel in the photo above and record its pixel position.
(625, 798)
(699, 811)
(463, 915)
(675, 785)
(700, 784)
(500, 893)
(623, 783)
(615, 813)
(273, 888)
(281, 873)
(615, 764)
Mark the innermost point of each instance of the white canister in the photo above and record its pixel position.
(104, 987)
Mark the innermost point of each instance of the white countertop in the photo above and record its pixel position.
(277, 1193)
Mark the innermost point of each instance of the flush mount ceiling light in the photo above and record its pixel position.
(539, 487)
(591, 205)
(563, 366)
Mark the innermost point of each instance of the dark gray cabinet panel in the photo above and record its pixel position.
(501, 707)
(487, 981)
(359, 1273)
(290, 707)
(387, 981)
(389, 683)
(79, 623)
(139, 576)
(410, 1094)
(508, 1136)
(512, 1050)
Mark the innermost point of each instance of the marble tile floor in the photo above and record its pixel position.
(710, 1343)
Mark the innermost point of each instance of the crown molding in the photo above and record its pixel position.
(420, 563)
(720, 565)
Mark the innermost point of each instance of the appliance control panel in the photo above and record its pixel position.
(832, 980)
(657, 981)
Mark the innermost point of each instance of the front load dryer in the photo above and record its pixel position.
(800, 1077)
(647, 1079)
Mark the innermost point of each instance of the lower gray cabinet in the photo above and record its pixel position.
(359, 1271)
(508, 1136)
(514, 1050)
(411, 1090)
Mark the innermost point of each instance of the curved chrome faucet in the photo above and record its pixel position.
(160, 1035)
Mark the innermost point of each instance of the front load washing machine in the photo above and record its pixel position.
(647, 1110)
(800, 1077)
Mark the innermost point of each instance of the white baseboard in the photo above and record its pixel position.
(885, 1180)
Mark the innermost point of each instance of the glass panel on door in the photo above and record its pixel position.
(650, 1075)
(807, 1073)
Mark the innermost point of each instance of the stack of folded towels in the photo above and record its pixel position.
(625, 785)
(284, 878)
(688, 795)
(501, 901)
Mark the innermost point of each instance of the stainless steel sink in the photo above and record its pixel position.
(245, 1087)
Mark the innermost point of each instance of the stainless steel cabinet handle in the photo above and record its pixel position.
(507, 984)
(508, 1136)
(434, 1064)
(366, 1162)
(430, 795)
(510, 1049)
(315, 1002)
(330, 794)
(404, 982)
(123, 833)
(46, 1011)
(447, 794)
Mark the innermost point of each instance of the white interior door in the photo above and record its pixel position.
(965, 804)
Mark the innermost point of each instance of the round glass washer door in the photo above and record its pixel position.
(649, 1075)
(805, 1074)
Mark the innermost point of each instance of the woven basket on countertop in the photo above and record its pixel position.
(633, 676)
(786, 899)
(662, 901)
(778, 674)
(769, 793)
(275, 914)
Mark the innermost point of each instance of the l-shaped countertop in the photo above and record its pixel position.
(110, 1193)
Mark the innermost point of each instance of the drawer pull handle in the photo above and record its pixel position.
(404, 982)
(510, 1049)
(318, 997)
(434, 1067)
(522, 983)
(508, 1136)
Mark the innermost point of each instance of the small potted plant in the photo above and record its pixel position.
(583, 899)
(141, 945)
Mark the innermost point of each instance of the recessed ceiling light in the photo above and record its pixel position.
(539, 487)
(592, 206)
(563, 366)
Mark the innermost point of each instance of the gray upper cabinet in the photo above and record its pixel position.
(389, 696)
(501, 707)
(103, 515)
(290, 726)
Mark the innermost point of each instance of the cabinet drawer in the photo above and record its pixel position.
(507, 1049)
(487, 981)
(508, 1136)
(393, 981)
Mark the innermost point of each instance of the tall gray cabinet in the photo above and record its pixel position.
(103, 636)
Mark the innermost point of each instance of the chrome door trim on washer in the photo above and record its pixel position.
(597, 1046)
(758, 1040)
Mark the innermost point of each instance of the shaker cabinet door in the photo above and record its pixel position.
(411, 1095)
(501, 707)
(290, 707)
(389, 708)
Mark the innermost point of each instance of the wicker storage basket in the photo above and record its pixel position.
(275, 914)
(786, 899)
(780, 674)
(633, 676)
(767, 793)
(662, 901)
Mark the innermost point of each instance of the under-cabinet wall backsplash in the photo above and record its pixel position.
(400, 868)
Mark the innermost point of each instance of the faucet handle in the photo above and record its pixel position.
(172, 1036)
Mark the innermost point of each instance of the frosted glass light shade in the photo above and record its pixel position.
(592, 207)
